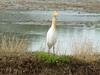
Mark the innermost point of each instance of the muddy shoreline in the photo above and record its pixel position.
(87, 5)
(30, 65)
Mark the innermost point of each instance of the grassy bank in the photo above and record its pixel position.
(16, 60)
(40, 63)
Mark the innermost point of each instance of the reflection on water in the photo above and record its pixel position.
(36, 34)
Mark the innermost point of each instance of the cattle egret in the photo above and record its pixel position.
(52, 34)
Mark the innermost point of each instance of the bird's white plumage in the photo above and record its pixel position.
(51, 37)
(52, 34)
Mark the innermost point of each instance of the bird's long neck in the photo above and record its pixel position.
(54, 23)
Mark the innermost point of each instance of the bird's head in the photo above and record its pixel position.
(55, 13)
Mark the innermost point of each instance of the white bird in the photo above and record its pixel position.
(52, 34)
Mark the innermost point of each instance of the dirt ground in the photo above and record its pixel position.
(31, 65)
(85, 5)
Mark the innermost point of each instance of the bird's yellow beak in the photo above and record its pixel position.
(55, 13)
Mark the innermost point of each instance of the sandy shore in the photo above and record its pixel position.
(85, 5)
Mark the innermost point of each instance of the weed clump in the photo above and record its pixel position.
(53, 59)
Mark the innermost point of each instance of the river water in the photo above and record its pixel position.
(21, 22)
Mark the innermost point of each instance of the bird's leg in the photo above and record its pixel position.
(48, 51)
(53, 50)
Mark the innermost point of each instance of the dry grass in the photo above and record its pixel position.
(11, 43)
(85, 51)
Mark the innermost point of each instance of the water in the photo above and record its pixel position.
(67, 35)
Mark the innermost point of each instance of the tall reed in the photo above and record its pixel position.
(85, 50)
(12, 43)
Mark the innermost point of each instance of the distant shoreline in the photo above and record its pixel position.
(89, 5)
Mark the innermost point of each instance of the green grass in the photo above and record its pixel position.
(53, 59)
